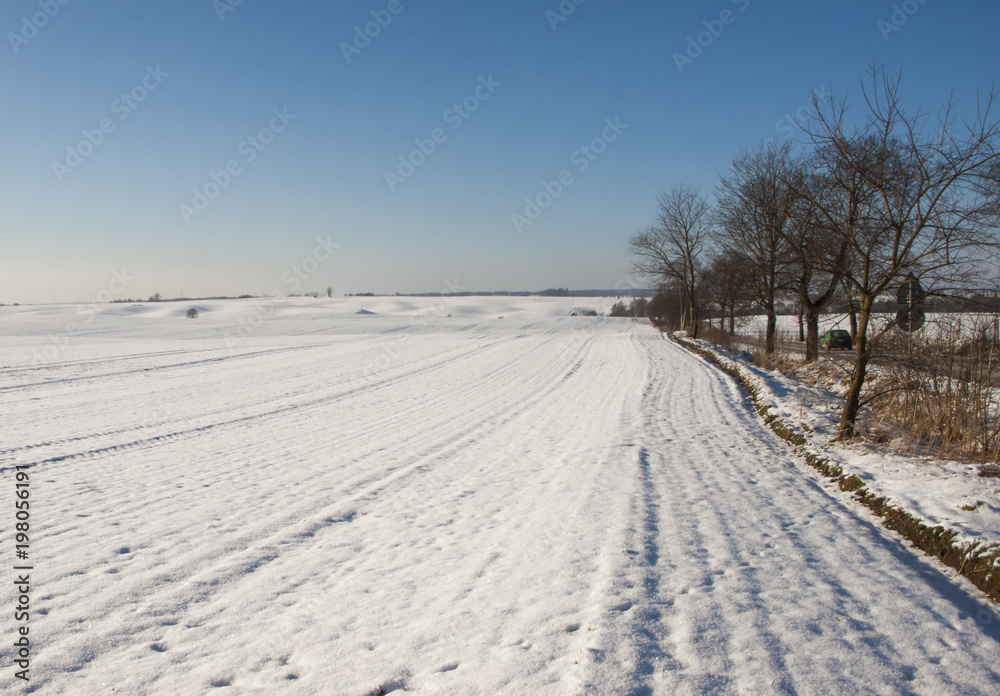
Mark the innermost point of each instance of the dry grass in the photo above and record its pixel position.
(724, 339)
(934, 396)
(925, 396)
(782, 360)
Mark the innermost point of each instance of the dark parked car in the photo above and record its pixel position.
(836, 338)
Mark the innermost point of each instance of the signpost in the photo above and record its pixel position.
(910, 317)
(910, 292)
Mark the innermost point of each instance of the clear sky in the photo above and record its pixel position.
(309, 115)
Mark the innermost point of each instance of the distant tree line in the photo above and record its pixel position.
(636, 308)
(156, 297)
(875, 199)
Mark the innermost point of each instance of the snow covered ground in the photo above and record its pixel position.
(939, 492)
(936, 325)
(293, 498)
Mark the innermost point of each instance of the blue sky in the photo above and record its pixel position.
(212, 74)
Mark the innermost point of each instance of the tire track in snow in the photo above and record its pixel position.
(600, 516)
(100, 361)
(205, 617)
(338, 392)
(288, 437)
(521, 549)
(766, 583)
(157, 368)
(242, 556)
(181, 425)
(185, 412)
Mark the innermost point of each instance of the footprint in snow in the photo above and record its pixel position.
(450, 667)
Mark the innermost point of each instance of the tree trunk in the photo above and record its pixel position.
(694, 320)
(812, 335)
(802, 335)
(852, 405)
(771, 333)
(770, 336)
(852, 315)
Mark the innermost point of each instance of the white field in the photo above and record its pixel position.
(329, 503)
(935, 326)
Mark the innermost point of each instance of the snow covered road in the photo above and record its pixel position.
(532, 505)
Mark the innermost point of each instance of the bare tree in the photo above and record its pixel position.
(754, 206)
(728, 284)
(637, 307)
(821, 258)
(670, 252)
(659, 309)
(907, 195)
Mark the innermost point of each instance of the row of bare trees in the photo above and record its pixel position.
(872, 198)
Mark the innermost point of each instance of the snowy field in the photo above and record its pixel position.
(936, 325)
(295, 498)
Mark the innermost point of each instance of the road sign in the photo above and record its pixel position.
(910, 292)
(910, 319)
